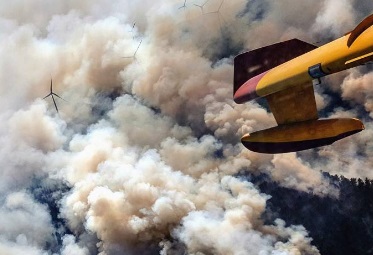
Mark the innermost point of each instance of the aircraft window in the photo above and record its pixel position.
(316, 71)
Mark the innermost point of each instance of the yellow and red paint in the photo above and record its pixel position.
(287, 85)
(332, 57)
(301, 135)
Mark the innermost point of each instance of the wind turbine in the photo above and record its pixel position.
(51, 93)
(201, 6)
(220, 16)
(134, 55)
(184, 5)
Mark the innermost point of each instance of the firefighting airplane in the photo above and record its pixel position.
(284, 74)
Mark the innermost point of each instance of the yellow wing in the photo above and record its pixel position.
(294, 104)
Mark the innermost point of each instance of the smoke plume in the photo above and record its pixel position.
(146, 142)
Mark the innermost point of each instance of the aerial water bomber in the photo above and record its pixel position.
(284, 74)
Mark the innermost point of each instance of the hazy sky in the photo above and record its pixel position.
(143, 153)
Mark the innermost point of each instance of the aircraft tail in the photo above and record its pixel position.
(252, 63)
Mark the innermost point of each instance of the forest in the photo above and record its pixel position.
(340, 226)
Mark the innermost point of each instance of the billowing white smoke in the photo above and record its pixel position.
(154, 167)
(351, 156)
(333, 10)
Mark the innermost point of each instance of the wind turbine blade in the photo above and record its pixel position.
(59, 97)
(51, 85)
(220, 5)
(47, 96)
(138, 47)
(55, 103)
(211, 12)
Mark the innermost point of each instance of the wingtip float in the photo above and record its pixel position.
(284, 74)
(301, 136)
